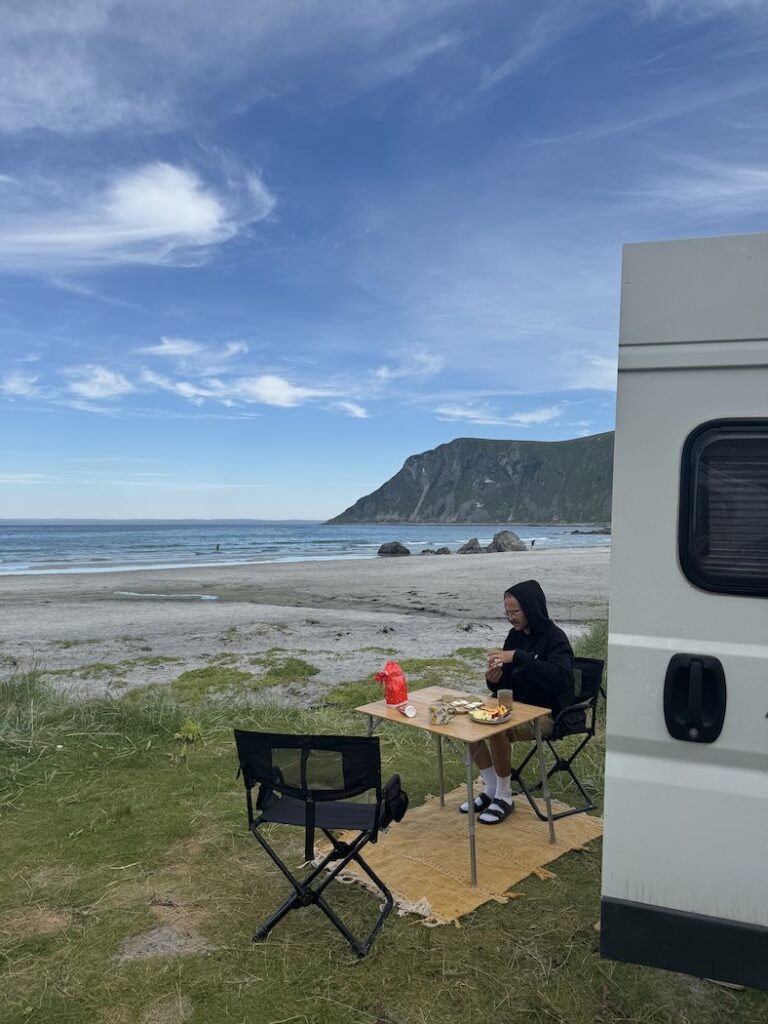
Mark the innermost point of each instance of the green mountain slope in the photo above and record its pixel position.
(475, 481)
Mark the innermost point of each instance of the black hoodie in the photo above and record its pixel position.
(542, 670)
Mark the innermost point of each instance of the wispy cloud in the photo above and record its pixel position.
(85, 66)
(265, 389)
(591, 372)
(273, 390)
(710, 186)
(23, 385)
(174, 347)
(94, 382)
(353, 409)
(487, 415)
(416, 364)
(553, 23)
(698, 10)
(156, 214)
(26, 478)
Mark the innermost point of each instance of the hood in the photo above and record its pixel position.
(531, 599)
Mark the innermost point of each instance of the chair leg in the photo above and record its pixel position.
(304, 894)
(560, 765)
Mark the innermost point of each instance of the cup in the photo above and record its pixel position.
(505, 698)
(440, 714)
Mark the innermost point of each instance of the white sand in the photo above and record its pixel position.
(329, 613)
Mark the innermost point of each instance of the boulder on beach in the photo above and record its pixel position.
(443, 551)
(505, 540)
(472, 547)
(393, 547)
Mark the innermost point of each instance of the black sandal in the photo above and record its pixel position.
(498, 811)
(482, 803)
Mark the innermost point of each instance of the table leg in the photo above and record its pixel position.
(471, 812)
(440, 779)
(544, 780)
(372, 722)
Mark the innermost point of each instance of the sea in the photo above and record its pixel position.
(109, 546)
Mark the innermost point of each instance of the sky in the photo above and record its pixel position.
(254, 254)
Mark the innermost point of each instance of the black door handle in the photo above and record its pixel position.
(694, 698)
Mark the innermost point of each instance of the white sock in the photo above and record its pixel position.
(503, 788)
(489, 780)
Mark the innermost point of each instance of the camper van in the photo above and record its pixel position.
(685, 861)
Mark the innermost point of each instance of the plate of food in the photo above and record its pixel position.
(490, 716)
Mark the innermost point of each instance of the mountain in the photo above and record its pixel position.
(475, 481)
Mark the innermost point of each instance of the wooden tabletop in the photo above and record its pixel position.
(461, 727)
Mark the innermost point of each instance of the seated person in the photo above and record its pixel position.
(536, 663)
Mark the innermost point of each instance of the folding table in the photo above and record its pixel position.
(464, 730)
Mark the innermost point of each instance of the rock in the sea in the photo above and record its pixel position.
(393, 547)
(505, 540)
(604, 530)
(428, 551)
(472, 547)
(443, 551)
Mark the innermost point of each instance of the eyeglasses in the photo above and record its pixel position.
(513, 615)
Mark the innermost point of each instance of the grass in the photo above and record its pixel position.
(122, 814)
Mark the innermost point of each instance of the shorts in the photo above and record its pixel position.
(526, 730)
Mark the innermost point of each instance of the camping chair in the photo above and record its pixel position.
(575, 720)
(310, 782)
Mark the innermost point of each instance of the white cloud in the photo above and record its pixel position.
(418, 363)
(24, 385)
(272, 390)
(173, 347)
(553, 23)
(700, 9)
(593, 372)
(163, 200)
(353, 409)
(87, 65)
(26, 478)
(156, 214)
(192, 392)
(711, 187)
(93, 381)
(266, 389)
(235, 348)
(486, 415)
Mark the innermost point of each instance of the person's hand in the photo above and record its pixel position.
(498, 659)
(493, 675)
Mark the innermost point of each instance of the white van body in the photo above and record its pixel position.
(685, 861)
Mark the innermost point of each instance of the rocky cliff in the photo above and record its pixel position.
(475, 481)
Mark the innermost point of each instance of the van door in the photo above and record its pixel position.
(685, 857)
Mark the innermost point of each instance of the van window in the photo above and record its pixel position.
(723, 527)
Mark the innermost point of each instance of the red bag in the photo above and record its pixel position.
(395, 686)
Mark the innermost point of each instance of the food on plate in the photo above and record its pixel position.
(490, 715)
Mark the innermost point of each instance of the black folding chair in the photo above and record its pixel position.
(577, 719)
(312, 782)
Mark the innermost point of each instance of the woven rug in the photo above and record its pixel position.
(424, 859)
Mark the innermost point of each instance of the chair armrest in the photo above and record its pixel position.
(581, 706)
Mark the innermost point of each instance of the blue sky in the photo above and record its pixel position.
(254, 254)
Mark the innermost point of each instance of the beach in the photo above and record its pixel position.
(102, 632)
